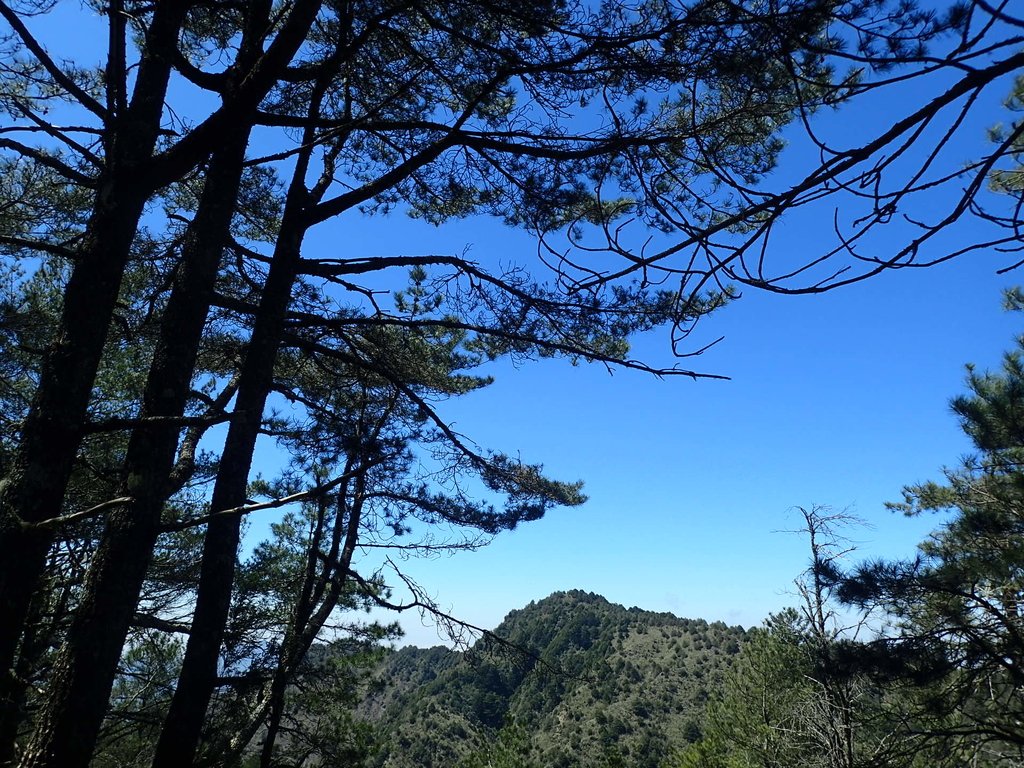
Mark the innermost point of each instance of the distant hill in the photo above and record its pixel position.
(599, 685)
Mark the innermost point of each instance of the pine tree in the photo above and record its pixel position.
(956, 642)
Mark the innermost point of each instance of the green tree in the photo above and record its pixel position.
(1010, 179)
(510, 748)
(758, 721)
(366, 140)
(792, 699)
(955, 636)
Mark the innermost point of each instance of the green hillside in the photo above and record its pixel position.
(577, 681)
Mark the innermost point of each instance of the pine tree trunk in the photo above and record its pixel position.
(34, 643)
(182, 729)
(34, 487)
(84, 672)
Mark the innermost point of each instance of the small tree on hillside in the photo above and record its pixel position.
(758, 719)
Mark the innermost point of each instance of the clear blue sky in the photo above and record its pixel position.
(838, 399)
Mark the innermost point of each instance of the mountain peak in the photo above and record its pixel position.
(581, 678)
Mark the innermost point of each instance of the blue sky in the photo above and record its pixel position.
(837, 399)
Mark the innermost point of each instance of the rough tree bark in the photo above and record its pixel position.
(86, 665)
(66, 731)
(182, 728)
(33, 489)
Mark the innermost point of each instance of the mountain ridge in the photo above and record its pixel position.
(581, 681)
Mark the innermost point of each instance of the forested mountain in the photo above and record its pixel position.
(581, 681)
